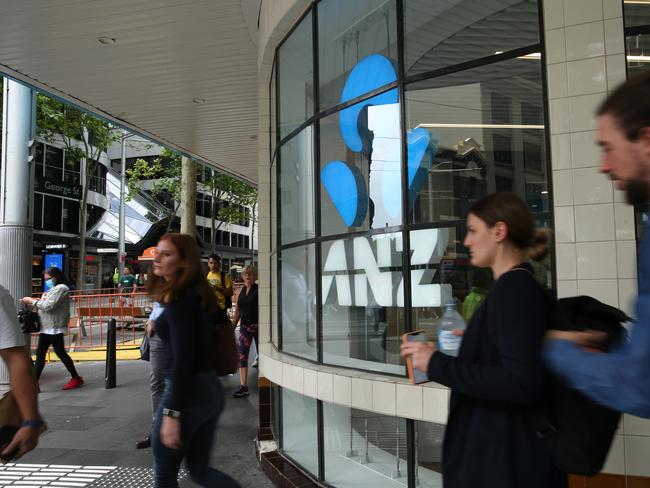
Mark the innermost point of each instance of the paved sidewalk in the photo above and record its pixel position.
(92, 427)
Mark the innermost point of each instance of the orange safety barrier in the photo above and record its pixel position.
(90, 313)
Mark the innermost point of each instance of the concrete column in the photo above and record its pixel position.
(16, 233)
(188, 196)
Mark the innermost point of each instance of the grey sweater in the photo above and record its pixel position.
(54, 310)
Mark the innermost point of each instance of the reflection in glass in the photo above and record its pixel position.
(299, 429)
(297, 188)
(363, 449)
(636, 14)
(361, 186)
(489, 127)
(363, 300)
(450, 32)
(298, 282)
(348, 32)
(428, 454)
(296, 78)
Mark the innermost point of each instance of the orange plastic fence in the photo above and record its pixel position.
(90, 313)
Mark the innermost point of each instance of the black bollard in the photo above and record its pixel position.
(111, 355)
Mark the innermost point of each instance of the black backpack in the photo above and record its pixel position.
(578, 431)
(30, 322)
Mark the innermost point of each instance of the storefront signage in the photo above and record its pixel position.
(56, 246)
(55, 186)
(357, 272)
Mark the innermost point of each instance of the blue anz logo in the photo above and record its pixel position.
(379, 140)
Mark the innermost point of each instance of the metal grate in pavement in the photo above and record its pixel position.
(72, 476)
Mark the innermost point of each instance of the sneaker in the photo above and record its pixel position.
(240, 392)
(73, 383)
(144, 443)
(254, 365)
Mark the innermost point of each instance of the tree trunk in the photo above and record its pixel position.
(213, 233)
(252, 236)
(171, 217)
(188, 196)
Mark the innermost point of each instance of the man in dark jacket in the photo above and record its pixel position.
(619, 378)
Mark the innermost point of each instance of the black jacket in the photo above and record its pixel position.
(497, 377)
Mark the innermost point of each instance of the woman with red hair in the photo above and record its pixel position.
(193, 400)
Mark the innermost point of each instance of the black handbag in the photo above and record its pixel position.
(144, 348)
(29, 320)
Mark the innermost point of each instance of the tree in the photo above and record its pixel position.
(85, 138)
(165, 171)
(227, 201)
(248, 197)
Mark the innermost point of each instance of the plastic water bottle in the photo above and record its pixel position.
(448, 342)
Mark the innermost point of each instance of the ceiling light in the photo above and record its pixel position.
(199, 100)
(637, 2)
(483, 126)
(639, 59)
(107, 40)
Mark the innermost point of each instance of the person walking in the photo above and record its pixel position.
(193, 399)
(246, 311)
(617, 379)
(221, 284)
(498, 376)
(54, 311)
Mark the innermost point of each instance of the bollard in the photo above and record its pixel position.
(111, 355)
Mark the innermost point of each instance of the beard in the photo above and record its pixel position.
(637, 192)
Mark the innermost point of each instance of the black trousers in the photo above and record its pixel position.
(56, 341)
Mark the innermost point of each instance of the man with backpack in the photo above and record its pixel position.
(618, 378)
(222, 285)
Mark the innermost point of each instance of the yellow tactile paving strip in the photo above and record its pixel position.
(124, 352)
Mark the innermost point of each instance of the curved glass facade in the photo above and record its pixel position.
(391, 118)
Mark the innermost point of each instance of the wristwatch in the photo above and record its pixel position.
(175, 414)
(33, 423)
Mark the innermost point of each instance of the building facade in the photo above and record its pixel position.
(381, 122)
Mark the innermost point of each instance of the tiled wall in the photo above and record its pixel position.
(594, 228)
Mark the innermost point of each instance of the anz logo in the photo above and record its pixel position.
(357, 272)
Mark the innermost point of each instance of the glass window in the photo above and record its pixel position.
(363, 448)
(349, 33)
(360, 171)
(53, 163)
(473, 133)
(71, 216)
(428, 454)
(226, 238)
(636, 14)
(299, 429)
(38, 211)
(297, 188)
(298, 266)
(52, 213)
(275, 319)
(363, 300)
(273, 111)
(449, 32)
(296, 78)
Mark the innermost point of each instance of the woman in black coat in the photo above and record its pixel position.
(498, 378)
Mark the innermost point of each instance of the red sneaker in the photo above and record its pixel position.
(73, 383)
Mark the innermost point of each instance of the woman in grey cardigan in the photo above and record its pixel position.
(54, 311)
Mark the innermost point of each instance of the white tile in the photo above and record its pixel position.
(553, 14)
(581, 111)
(555, 46)
(624, 221)
(325, 386)
(585, 153)
(342, 390)
(637, 453)
(287, 375)
(604, 290)
(564, 224)
(557, 80)
(619, 196)
(595, 222)
(409, 401)
(585, 41)
(435, 405)
(615, 463)
(567, 288)
(590, 186)
(596, 260)
(616, 71)
(627, 293)
(636, 425)
(565, 256)
(563, 187)
(298, 381)
(612, 8)
(310, 386)
(559, 115)
(561, 151)
(582, 11)
(361, 394)
(626, 259)
(614, 36)
(383, 397)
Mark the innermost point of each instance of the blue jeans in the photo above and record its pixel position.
(198, 426)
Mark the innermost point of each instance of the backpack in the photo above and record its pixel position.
(223, 283)
(577, 430)
(29, 320)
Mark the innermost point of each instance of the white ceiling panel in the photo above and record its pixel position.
(167, 53)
